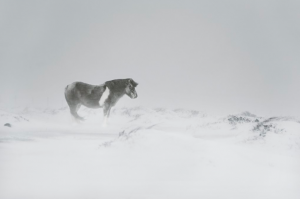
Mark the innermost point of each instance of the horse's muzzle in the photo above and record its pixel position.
(133, 95)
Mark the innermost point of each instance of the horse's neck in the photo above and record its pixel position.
(114, 97)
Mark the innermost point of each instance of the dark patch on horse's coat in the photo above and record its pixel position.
(79, 93)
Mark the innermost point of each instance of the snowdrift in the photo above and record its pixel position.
(147, 153)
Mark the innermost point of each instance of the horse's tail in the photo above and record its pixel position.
(66, 92)
(66, 89)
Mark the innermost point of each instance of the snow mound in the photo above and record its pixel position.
(239, 128)
(145, 152)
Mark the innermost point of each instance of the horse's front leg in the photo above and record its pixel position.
(106, 112)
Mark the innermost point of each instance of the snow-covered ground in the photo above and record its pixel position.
(147, 153)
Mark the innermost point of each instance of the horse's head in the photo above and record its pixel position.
(130, 88)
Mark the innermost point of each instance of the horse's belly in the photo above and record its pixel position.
(90, 103)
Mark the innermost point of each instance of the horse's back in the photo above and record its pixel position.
(80, 87)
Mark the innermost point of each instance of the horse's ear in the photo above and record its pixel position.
(135, 83)
(110, 84)
(130, 81)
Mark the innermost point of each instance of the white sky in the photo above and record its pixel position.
(212, 55)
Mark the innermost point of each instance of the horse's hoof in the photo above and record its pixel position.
(81, 119)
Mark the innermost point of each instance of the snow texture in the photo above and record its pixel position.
(147, 153)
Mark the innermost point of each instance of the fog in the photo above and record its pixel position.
(214, 56)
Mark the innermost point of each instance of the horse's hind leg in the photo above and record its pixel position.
(78, 107)
(73, 109)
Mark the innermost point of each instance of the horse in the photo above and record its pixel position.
(98, 96)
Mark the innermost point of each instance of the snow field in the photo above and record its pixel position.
(147, 153)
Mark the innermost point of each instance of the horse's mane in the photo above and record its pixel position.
(120, 83)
